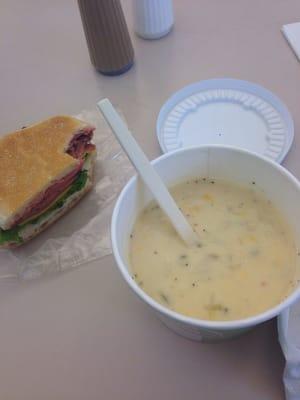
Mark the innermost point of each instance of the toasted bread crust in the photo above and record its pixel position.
(31, 159)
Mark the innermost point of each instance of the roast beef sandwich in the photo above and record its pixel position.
(45, 169)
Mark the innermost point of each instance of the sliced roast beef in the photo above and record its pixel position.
(81, 143)
(44, 199)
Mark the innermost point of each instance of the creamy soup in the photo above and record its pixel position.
(244, 263)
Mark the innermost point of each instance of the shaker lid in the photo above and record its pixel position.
(226, 111)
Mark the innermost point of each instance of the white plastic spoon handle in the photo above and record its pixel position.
(147, 172)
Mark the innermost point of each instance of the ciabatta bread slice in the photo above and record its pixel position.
(35, 158)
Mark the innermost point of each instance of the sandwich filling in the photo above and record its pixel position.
(59, 192)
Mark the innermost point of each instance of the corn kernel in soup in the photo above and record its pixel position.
(243, 264)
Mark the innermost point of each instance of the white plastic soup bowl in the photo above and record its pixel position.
(215, 162)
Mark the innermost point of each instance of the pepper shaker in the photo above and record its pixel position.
(107, 36)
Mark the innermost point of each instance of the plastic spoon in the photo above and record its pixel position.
(148, 174)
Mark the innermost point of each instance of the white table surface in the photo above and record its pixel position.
(83, 334)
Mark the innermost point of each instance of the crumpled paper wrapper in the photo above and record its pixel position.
(83, 234)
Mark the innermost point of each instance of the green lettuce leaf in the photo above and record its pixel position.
(10, 235)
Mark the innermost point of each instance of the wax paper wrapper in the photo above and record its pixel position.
(289, 338)
(83, 234)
